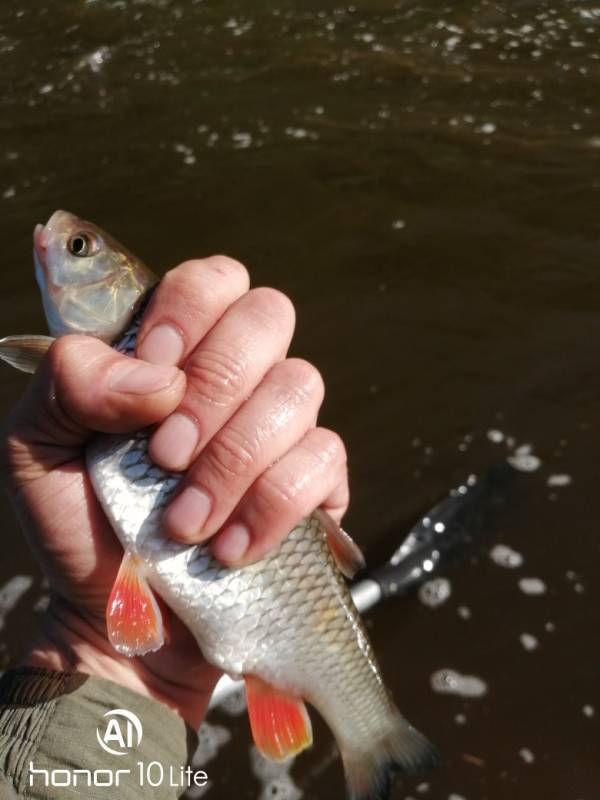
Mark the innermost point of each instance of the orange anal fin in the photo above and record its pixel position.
(280, 723)
(133, 617)
(346, 553)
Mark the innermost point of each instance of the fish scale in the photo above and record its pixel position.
(203, 592)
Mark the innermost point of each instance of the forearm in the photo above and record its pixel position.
(67, 641)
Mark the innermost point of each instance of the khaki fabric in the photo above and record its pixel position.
(52, 725)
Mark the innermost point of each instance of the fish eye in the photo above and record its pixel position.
(81, 245)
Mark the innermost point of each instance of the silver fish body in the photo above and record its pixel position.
(288, 619)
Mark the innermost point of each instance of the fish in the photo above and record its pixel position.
(286, 624)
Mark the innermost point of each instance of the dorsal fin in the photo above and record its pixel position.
(347, 554)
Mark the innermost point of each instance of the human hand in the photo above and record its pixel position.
(229, 407)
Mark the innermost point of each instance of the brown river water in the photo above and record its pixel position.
(423, 179)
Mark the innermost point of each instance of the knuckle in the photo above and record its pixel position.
(216, 378)
(328, 446)
(66, 356)
(277, 494)
(231, 454)
(60, 352)
(182, 282)
(228, 268)
(273, 305)
(304, 375)
(200, 287)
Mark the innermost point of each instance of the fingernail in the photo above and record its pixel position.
(135, 377)
(188, 512)
(175, 441)
(163, 345)
(232, 543)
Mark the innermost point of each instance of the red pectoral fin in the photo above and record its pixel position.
(133, 618)
(280, 723)
(345, 551)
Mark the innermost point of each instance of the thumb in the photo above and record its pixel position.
(83, 385)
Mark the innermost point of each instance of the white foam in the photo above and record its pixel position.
(505, 556)
(533, 586)
(435, 592)
(559, 480)
(529, 641)
(448, 681)
(588, 711)
(276, 781)
(210, 740)
(527, 755)
(235, 703)
(495, 436)
(524, 461)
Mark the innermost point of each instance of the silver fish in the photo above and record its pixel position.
(286, 624)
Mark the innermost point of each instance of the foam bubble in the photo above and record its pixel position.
(524, 462)
(435, 592)
(527, 755)
(274, 776)
(533, 586)
(210, 740)
(559, 480)
(448, 681)
(505, 556)
(529, 641)
(235, 703)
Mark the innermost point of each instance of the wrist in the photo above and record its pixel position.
(68, 642)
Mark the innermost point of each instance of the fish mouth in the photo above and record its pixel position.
(42, 234)
(40, 242)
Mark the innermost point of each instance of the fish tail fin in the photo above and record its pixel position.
(400, 748)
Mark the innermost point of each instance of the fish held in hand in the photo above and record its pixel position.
(286, 624)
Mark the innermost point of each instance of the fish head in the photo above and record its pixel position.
(90, 283)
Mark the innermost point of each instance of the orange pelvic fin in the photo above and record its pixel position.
(280, 723)
(133, 618)
(346, 553)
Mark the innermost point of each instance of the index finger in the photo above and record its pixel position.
(189, 300)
